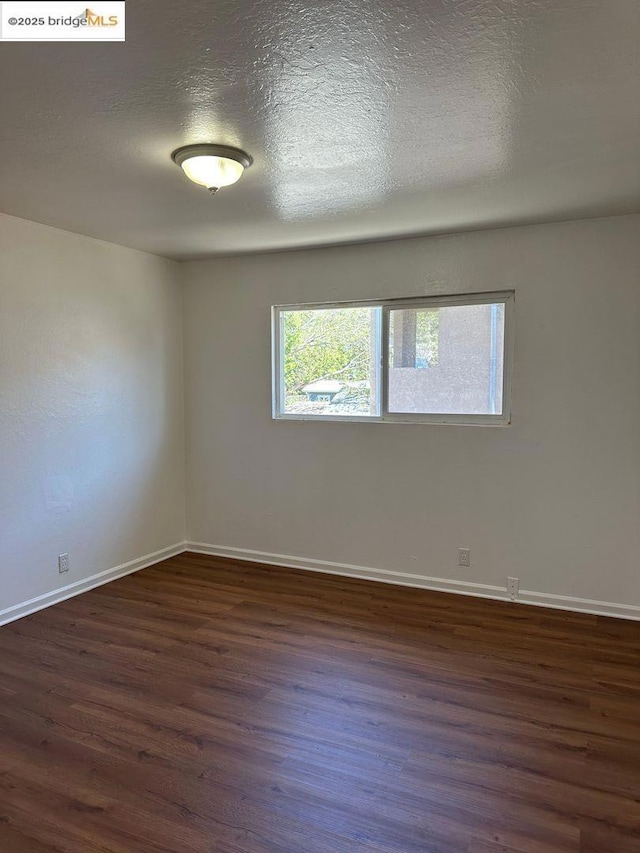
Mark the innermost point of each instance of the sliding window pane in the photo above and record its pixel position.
(329, 362)
(446, 360)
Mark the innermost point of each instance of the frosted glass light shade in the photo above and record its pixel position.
(212, 166)
(213, 171)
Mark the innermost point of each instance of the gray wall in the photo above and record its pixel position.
(91, 408)
(552, 499)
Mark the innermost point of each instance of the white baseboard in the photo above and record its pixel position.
(27, 607)
(580, 605)
(538, 599)
(478, 590)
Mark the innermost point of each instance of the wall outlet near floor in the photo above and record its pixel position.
(63, 563)
(513, 585)
(464, 556)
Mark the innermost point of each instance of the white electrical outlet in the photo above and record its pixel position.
(63, 563)
(513, 585)
(464, 556)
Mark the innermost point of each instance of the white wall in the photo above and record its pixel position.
(91, 416)
(553, 499)
(91, 407)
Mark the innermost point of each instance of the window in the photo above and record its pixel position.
(432, 359)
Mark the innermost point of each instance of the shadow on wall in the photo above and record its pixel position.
(90, 375)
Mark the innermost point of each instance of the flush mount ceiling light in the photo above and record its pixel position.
(212, 166)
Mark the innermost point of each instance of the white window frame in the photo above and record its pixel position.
(507, 298)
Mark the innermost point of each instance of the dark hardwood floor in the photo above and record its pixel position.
(210, 705)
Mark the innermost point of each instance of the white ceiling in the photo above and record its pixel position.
(367, 119)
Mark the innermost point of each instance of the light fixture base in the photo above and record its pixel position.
(208, 150)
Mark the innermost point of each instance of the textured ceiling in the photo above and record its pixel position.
(366, 119)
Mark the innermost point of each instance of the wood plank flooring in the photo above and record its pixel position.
(210, 705)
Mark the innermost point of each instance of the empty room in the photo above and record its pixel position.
(320, 426)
